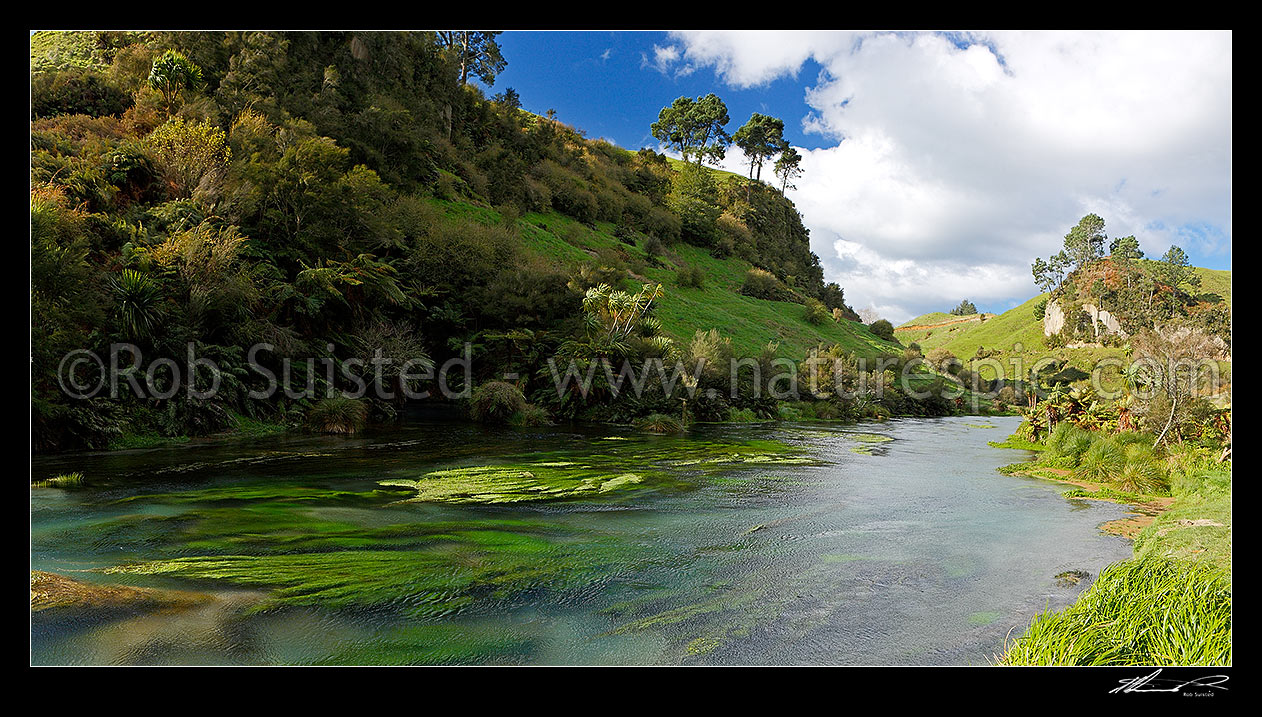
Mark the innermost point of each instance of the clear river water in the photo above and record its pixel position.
(894, 543)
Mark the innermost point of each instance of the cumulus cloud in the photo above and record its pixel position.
(957, 159)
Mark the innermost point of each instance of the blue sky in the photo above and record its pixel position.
(937, 165)
(598, 81)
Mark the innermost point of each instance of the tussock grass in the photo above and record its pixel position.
(496, 402)
(338, 415)
(659, 423)
(1066, 444)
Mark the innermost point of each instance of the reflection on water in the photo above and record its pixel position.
(893, 543)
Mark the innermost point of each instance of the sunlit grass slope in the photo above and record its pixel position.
(749, 322)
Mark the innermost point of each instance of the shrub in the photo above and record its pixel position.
(882, 329)
(691, 277)
(943, 360)
(496, 402)
(1008, 396)
(742, 415)
(654, 248)
(786, 412)
(338, 415)
(74, 92)
(663, 224)
(762, 284)
(816, 313)
(696, 220)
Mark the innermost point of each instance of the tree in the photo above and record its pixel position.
(760, 138)
(477, 52)
(509, 99)
(1085, 242)
(966, 308)
(171, 74)
(1171, 363)
(1049, 274)
(1124, 249)
(695, 128)
(788, 167)
(1176, 270)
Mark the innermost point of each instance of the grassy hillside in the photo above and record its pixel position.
(749, 322)
(933, 317)
(1003, 332)
(1215, 281)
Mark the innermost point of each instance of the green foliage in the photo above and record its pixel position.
(531, 415)
(816, 313)
(659, 423)
(762, 284)
(171, 74)
(1067, 443)
(760, 138)
(476, 53)
(189, 152)
(694, 128)
(788, 167)
(496, 402)
(690, 277)
(1102, 462)
(966, 308)
(75, 92)
(882, 329)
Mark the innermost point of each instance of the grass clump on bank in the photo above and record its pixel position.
(338, 415)
(1141, 612)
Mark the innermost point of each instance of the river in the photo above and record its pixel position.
(893, 543)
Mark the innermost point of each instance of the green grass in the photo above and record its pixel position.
(1139, 612)
(1171, 604)
(750, 323)
(1015, 334)
(937, 317)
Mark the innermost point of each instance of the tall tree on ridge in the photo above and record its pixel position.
(761, 138)
(477, 52)
(695, 128)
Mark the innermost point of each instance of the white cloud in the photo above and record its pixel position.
(955, 166)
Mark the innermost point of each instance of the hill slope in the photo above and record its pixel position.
(749, 322)
(1018, 333)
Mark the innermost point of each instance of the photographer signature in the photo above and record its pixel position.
(1150, 683)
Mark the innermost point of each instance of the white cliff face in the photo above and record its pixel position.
(1102, 322)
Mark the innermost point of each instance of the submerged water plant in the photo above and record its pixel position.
(511, 484)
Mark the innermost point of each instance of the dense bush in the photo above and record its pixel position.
(75, 92)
